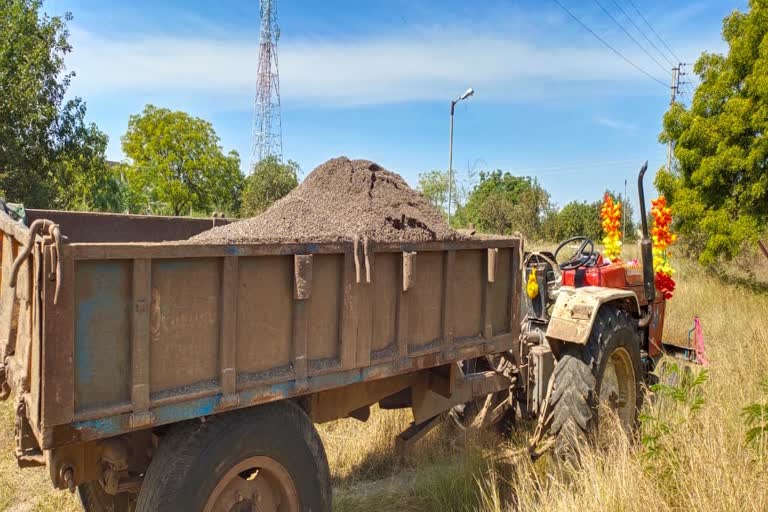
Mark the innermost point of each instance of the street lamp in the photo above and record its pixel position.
(469, 92)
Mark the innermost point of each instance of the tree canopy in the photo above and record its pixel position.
(177, 166)
(502, 203)
(582, 218)
(435, 187)
(718, 188)
(49, 156)
(270, 180)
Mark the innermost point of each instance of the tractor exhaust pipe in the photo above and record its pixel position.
(646, 246)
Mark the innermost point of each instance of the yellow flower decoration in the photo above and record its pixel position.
(610, 213)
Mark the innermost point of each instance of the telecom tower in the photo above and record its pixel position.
(267, 134)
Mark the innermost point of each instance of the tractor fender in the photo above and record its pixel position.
(575, 311)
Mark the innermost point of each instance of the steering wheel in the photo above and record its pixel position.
(579, 258)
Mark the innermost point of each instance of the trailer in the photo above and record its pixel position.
(150, 373)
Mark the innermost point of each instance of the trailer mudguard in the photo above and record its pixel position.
(576, 308)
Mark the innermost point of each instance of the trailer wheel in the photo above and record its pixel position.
(94, 499)
(604, 371)
(268, 458)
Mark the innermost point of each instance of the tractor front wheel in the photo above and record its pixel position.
(605, 371)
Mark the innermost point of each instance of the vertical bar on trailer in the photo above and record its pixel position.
(228, 330)
(348, 317)
(140, 354)
(302, 266)
(449, 263)
(58, 373)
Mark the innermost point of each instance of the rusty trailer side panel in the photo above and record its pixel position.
(145, 334)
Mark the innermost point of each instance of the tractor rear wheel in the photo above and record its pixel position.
(605, 371)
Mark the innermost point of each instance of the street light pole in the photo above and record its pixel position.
(469, 92)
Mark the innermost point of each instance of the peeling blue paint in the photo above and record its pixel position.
(83, 364)
(103, 426)
(332, 380)
(233, 250)
(101, 332)
(284, 389)
(187, 410)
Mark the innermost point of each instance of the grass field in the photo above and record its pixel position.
(692, 458)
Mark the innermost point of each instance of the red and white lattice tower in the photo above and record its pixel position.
(267, 138)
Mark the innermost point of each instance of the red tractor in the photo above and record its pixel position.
(591, 333)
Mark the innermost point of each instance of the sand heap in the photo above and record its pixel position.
(339, 200)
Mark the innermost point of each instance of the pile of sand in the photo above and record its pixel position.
(339, 200)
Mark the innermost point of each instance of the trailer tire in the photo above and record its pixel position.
(264, 456)
(608, 365)
(94, 499)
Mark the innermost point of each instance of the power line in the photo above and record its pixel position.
(629, 35)
(652, 30)
(566, 168)
(642, 32)
(614, 50)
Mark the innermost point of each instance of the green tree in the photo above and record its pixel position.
(582, 218)
(718, 189)
(270, 180)
(44, 140)
(434, 186)
(577, 218)
(84, 180)
(502, 203)
(177, 166)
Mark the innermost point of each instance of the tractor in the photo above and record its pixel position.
(590, 336)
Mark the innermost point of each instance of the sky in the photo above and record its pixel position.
(374, 79)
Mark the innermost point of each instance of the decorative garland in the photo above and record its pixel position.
(610, 213)
(662, 238)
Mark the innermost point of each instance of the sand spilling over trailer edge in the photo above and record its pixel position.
(339, 200)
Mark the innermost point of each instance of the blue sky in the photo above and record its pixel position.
(373, 79)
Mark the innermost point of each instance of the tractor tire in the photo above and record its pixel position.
(266, 458)
(605, 370)
(95, 499)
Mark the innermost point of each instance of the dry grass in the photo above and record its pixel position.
(703, 462)
(28, 490)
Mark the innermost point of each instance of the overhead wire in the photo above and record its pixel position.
(652, 30)
(607, 13)
(614, 50)
(642, 32)
(560, 169)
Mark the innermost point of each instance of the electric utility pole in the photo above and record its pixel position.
(624, 213)
(675, 88)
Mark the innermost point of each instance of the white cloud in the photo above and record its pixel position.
(615, 124)
(410, 67)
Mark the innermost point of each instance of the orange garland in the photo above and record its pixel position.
(662, 238)
(610, 213)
